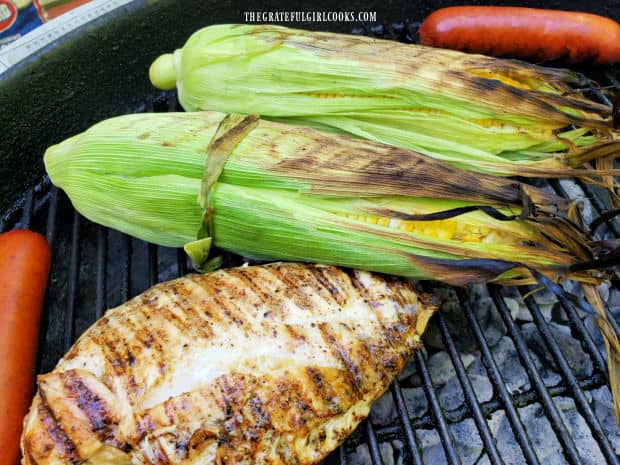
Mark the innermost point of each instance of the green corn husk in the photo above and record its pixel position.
(284, 192)
(139, 174)
(502, 117)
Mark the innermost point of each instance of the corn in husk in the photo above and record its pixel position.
(273, 191)
(502, 117)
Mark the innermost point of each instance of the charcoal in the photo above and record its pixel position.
(383, 411)
(507, 360)
(571, 348)
(602, 404)
(416, 401)
(468, 443)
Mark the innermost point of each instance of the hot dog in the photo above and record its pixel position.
(24, 266)
(526, 33)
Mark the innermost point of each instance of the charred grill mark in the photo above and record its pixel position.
(159, 454)
(228, 398)
(260, 417)
(352, 164)
(319, 387)
(232, 296)
(294, 279)
(93, 406)
(177, 292)
(333, 289)
(191, 320)
(192, 305)
(233, 133)
(138, 331)
(295, 334)
(56, 432)
(356, 283)
(252, 282)
(113, 356)
(218, 314)
(354, 376)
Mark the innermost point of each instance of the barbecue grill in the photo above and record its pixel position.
(507, 376)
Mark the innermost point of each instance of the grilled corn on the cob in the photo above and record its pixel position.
(501, 117)
(272, 191)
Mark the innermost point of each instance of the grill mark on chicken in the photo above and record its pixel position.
(340, 352)
(168, 309)
(293, 288)
(145, 339)
(227, 309)
(319, 386)
(256, 289)
(357, 284)
(327, 284)
(93, 406)
(113, 357)
(191, 306)
(56, 432)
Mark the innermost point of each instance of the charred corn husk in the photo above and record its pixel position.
(274, 191)
(501, 117)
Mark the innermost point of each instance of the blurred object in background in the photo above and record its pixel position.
(54, 8)
(17, 17)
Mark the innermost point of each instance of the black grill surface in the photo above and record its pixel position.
(95, 268)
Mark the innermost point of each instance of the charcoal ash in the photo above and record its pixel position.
(431, 447)
(572, 349)
(441, 368)
(451, 395)
(384, 412)
(579, 430)
(467, 440)
(391, 454)
(603, 407)
(507, 360)
(416, 401)
(484, 310)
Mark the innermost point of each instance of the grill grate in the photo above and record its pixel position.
(95, 268)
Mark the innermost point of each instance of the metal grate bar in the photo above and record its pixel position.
(50, 228)
(570, 450)
(181, 262)
(27, 209)
(102, 248)
(522, 399)
(403, 416)
(580, 398)
(440, 421)
(586, 338)
(125, 284)
(373, 445)
(470, 395)
(151, 260)
(72, 282)
(498, 383)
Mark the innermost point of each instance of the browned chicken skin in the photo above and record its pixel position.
(271, 364)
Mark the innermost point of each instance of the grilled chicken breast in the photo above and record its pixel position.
(271, 364)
